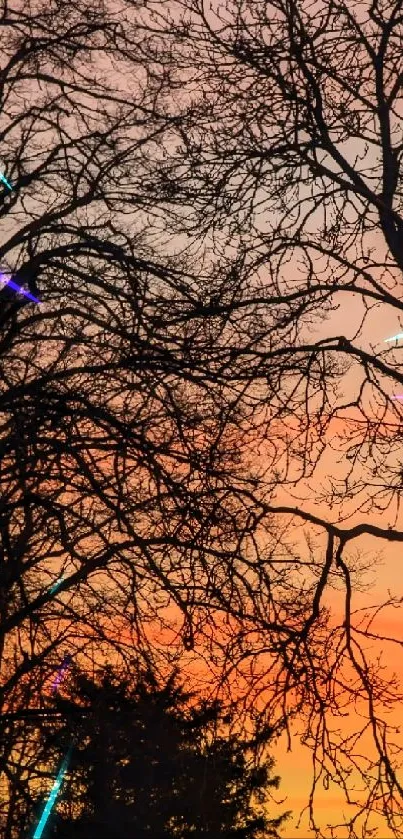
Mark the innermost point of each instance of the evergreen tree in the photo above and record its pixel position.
(149, 765)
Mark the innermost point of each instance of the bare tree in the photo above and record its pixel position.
(283, 170)
(115, 458)
(164, 420)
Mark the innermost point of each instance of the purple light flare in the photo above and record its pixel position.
(61, 671)
(16, 287)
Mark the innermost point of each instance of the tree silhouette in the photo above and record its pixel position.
(287, 160)
(164, 418)
(116, 457)
(148, 764)
(114, 453)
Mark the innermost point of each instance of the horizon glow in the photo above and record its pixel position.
(52, 796)
(18, 288)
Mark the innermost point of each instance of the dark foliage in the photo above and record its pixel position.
(147, 764)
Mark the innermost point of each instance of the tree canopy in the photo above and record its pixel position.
(145, 763)
(194, 437)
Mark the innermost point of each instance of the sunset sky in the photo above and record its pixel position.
(130, 515)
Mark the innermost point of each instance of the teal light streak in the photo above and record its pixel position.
(52, 796)
(56, 584)
(394, 338)
(5, 181)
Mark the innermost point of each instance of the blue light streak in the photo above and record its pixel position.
(394, 337)
(18, 288)
(5, 181)
(52, 796)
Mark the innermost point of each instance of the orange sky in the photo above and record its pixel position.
(295, 767)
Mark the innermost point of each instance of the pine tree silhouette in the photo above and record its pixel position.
(147, 765)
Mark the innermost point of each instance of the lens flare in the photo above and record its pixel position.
(16, 287)
(394, 337)
(5, 181)
(52, 796)
(61, 671)
(56, 584)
